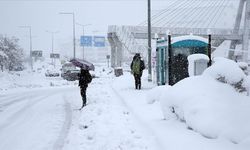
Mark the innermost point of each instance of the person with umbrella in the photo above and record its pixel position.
(84, 76)
(84, 79)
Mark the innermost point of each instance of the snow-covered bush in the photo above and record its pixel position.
(243, 66)
(210, 105)
(155, 93)
(227, 71)
(11, 55)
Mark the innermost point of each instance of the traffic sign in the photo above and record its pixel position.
(37, 53)
(54, 55)
(108, 56)
(86, 41)
(99, 41)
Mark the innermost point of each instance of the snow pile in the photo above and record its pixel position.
(227, 71)
(155, 93)
(210, 105)
(243, 66)
(28, 80)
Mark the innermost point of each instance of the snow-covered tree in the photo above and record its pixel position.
(11, 55)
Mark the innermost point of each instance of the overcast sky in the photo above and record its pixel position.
(44, 15)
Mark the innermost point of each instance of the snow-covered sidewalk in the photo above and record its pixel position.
(106, 123)
(171, 134)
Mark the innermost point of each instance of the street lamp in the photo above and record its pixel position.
(52, 43)
(149, 42)
(31, 61)
(74, 41)
(83, 35)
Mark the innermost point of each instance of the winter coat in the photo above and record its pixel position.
(84, 78)
(142, 65)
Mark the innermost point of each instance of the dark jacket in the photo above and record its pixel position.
(84, 78)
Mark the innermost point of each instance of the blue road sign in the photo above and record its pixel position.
(99, 41)
(86, 41)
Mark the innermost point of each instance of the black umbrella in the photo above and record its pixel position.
(82, 64)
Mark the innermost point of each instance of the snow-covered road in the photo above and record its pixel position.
(37, 119)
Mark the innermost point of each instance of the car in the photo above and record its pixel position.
(70, 72)
(71, 75)
(52, 73)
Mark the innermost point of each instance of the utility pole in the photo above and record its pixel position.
(31, 61)
(149, 42)
(74, 37)
(209, 50)
(52, 44)
(83, 35)
(170, 54)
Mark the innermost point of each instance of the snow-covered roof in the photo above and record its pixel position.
(194, 57)
(181, 38)
(188, 37)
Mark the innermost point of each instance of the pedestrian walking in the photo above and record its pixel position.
(137, 66)
(84, 79)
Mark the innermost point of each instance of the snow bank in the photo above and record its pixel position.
(227, 71)
(211, 107)
(25, 80)
(243, 66)
(155, 93)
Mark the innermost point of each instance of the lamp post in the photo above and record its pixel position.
(52, 43)
(83, 35)
(74, 38)
(31, 61)
(170, 54)
(209, 47)
(149, 42)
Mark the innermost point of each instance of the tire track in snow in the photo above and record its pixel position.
(59, 144)
(11, 120)
(138, 119)
(21, 98)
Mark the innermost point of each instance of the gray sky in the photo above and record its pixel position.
(44, 15)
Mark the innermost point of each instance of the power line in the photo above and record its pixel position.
(203, 14)
(180, 12)
(213, 13)
(172, 13)
(189, 14)
(219, 14)
(160, 13)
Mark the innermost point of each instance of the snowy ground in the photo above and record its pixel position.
(117, 117)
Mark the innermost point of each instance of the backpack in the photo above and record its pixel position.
(88, 78)
(136, 66)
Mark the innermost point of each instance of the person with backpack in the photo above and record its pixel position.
(137, 66)
(84, 79)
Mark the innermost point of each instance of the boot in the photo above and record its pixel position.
(139, 86)
(83, 102)
(136, 86)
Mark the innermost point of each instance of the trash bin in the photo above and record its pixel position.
(197, 63)
(118, 71)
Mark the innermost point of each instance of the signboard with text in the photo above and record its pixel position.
(54, 55)
(37, 53)
(99, 41)
(86, 41)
